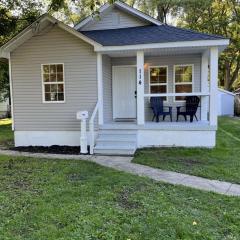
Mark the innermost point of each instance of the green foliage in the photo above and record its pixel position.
(221, 162)
(15, 15)
(221, 17)
(4, 81)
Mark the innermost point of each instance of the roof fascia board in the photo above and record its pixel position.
(23, 32)
(14, 43)
(200, 43)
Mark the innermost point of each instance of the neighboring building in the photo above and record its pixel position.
(112, 65)
(4, 108)
(225, 103)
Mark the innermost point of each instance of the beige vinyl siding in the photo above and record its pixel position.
(169, 61)
(55, 46)
(107, 89)
(106, 21)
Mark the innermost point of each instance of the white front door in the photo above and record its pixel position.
(124, 92)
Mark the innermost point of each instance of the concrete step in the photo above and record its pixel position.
(112, 150)
(118, 137)
(130, 126)
(116, 144)
(117, 132)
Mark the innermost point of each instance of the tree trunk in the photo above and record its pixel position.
(227, 78)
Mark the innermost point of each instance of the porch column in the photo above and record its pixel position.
(204, 86)
(213, 110)
(140, 88)
(100, 88)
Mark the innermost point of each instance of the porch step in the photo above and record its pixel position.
(116, 142)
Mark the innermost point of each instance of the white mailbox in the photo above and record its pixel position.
(82, 115)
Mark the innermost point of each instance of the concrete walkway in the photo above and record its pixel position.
(124, 164)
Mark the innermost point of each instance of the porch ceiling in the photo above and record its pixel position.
(157, 52)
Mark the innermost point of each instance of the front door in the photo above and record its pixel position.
(124, 92)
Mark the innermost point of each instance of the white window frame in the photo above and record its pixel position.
(182, 83)
(44, 83)
(157, 84)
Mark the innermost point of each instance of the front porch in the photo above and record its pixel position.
(127, 84)
(127, 80)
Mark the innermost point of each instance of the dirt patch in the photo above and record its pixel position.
(55, 149)
(124, 196)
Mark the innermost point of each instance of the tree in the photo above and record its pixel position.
(159, 9)
(10, 24)
(221, 17)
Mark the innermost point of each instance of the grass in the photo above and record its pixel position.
(69, 199)
(221, 162)
(6, 134)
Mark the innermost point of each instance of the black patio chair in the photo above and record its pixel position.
(158, 109)
(191, 107)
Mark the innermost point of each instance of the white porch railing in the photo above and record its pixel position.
(176, 94)
(91, 128)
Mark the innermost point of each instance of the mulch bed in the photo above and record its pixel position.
(55, 149)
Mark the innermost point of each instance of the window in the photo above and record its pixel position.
(158, 80)
(53, 82)
(183, 75)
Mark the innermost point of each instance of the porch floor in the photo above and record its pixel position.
(181, 126)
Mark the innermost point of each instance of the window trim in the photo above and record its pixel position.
(185, 83)
(159, 84)
(43, 84)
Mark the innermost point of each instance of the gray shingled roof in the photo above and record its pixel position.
(146, 34)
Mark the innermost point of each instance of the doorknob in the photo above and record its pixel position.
(135, 94)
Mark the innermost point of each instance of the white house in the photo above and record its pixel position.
(119, 67)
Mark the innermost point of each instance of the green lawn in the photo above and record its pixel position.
(68, 199)
(222, 162)
(6, 134)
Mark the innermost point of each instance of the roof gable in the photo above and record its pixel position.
(135, 17)
(39, 26)
(114, 18)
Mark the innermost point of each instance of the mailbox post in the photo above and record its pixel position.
(83, 116)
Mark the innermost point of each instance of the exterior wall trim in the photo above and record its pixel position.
(201, 43)
(11, 91)
(145, 138)
(43, 90)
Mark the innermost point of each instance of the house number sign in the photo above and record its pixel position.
(140, 77)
